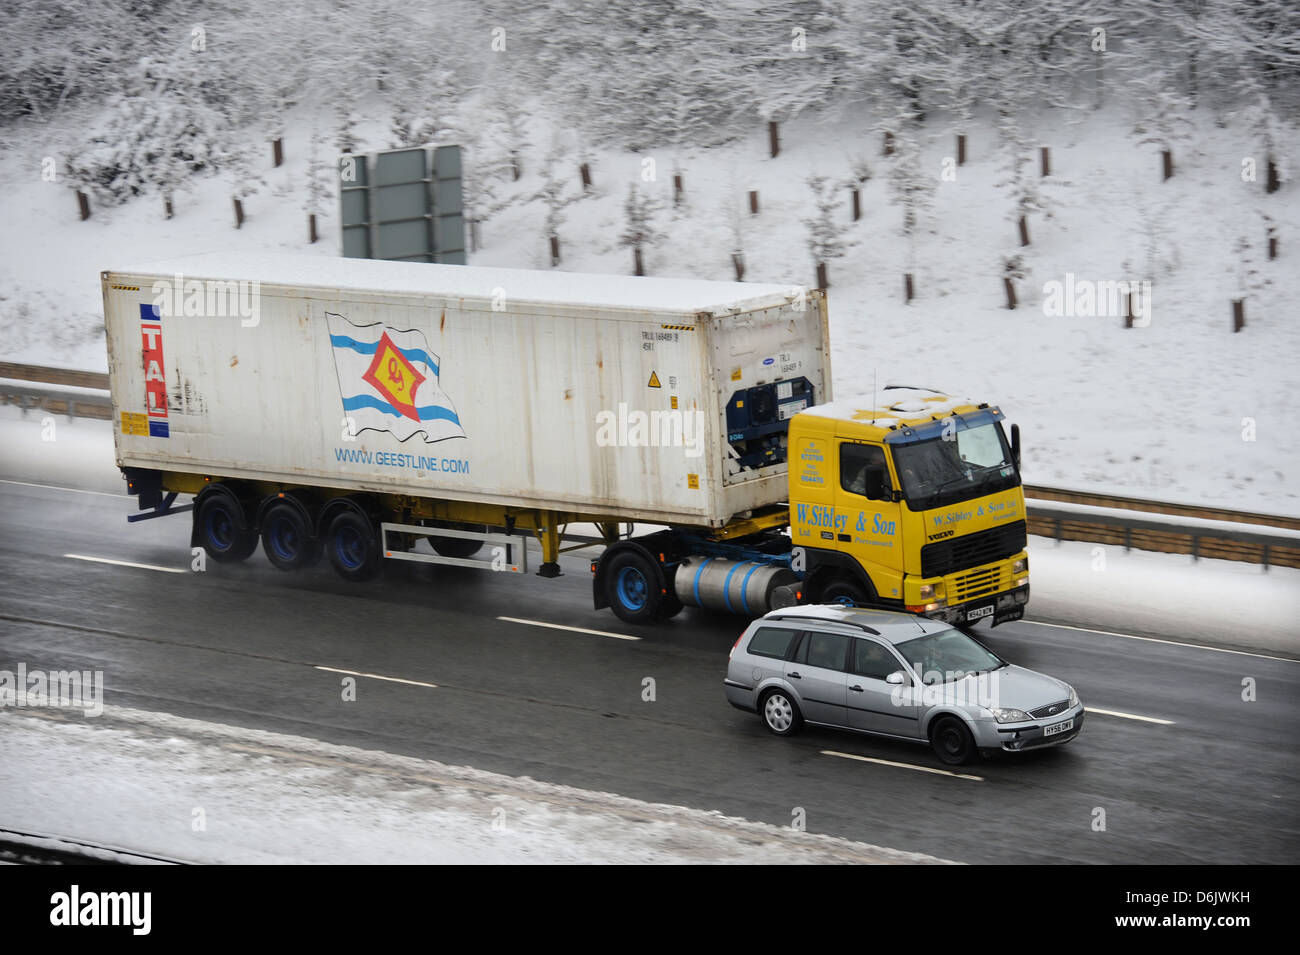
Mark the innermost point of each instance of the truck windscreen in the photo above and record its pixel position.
(938, 472)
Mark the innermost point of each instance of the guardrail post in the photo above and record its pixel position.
(1128, 538)
(1196, 541)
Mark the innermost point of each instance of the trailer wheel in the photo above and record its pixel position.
(287, 538)
(630, 582)
(222, 530)
(352, 546)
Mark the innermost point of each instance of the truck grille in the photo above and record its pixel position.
(969, 586)
(958, 553)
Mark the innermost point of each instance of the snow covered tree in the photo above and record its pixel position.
(638, 228)
(825, 231)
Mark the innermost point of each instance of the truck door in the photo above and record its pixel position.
(868, 517)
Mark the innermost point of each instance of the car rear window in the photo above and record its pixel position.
(771, 642)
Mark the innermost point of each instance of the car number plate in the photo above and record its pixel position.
(979, 612)
(1056, 728)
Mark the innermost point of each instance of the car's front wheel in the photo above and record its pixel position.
(780, 713)
(952, 741)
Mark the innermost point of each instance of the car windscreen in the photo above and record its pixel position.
(947, 655)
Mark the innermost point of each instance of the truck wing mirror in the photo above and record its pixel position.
(1015, 445)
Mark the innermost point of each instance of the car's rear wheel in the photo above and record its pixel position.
(952, 741)
(780, 713)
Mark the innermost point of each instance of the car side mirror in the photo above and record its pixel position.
(896, 678)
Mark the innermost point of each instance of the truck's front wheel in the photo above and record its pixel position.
(846, 592)
(630, 582)
(352, 546)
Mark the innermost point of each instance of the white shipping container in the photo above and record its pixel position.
(600, 395)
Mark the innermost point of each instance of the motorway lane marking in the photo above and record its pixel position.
(1172, 643)
(889, 762)
(1129, 716)
(376, 676)
(60, 487)
(562, 626)
(127, 563)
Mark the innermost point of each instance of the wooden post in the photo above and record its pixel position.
(83, 204)
(1010, 288)
(585, 171)
(1272, 243)
(822, 281)
(311, 228)
(678, 191)
(167, 207)
(773, 138)
(738, 260)
(1128, 310)
(239, 213)
(637, 267)
(1024, 230)
(277, 152)
(555, 249)
(1045, 161)
(515, 170)
(1167, 163)
(753, 202)
(909, 288)
(474, 241)
(1274, 183)
(857, 204)
(961, 150)
(1238, 314)
(888, 145)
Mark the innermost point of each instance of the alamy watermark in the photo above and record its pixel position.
(73, 689)
(208, 298)
(651, 429)
(1086, 298)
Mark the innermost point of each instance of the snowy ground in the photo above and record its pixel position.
(1154, 412)
(269, 798)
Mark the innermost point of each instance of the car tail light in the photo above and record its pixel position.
(736, 644)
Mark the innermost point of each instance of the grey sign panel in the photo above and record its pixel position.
(404, 204)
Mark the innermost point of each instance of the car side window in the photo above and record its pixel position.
(871, 659)
(771, 642)
(825, 650)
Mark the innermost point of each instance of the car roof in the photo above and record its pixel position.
(888, 625)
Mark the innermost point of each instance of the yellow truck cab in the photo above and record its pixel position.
(911, 501)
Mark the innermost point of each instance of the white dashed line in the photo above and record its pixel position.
(561, 626)
(127, 563)
(919, 769)
(376, 676)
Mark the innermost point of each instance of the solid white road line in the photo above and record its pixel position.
(127, 563)
(919, 769)
(561, 626)
(1129, 716)
(1172, 643)
(60, 487)
(376, 676)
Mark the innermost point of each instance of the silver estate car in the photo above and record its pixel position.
(895, 675)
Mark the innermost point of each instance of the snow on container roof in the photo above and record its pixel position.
(474, 282)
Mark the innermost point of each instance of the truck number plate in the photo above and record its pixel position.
(1056, 728)
(979, 612)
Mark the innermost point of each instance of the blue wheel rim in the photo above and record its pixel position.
(631, 588)
(349, 548)
(284, 539)
(219, 527)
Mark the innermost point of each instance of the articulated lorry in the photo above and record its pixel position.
(363, 410)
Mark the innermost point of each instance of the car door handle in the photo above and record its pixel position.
(856, 689)
(795, 676)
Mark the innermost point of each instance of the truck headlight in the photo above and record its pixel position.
(1003, 715)
(1020, 566)
(927, 591)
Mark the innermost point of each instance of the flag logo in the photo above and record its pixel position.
(388, 380)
